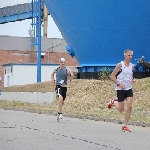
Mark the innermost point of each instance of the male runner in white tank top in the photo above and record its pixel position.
(122, 76)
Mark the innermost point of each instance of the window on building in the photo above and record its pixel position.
(8, 70)
(11, 69)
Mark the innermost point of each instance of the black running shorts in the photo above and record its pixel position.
(61, 91)
(123, 94)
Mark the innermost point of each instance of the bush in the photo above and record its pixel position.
(104, 74)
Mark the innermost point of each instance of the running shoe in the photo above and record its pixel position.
(125, 129)
(59, 116)
(112, 103)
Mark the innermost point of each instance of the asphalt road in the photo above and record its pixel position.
(21, 130)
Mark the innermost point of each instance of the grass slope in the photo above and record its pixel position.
(88, 98)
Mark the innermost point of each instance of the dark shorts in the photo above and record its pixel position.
(123, 94)
(61, 91)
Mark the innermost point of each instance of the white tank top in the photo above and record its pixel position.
(125, 77)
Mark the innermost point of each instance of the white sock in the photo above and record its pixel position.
(115, 102)
(60, 116)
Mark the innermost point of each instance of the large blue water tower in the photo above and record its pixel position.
(98, 31)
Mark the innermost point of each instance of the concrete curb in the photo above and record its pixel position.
(29, 97)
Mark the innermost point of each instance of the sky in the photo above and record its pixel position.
(6, 29)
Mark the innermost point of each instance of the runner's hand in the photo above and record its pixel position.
(122, 86)
(133, 81)
(53, 81)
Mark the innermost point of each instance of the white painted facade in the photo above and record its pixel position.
(21, 74)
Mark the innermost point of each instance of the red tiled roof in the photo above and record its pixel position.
(16, 56)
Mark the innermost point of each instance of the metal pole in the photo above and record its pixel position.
(48, 54)
(39, 43)
(45, 20)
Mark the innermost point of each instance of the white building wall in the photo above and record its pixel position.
(46, 73)
(24, 74)
(27, 74)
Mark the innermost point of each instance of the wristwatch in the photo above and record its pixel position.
(118, 84)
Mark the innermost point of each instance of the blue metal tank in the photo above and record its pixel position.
(98, 31)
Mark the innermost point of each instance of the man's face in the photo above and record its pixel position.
(62, 63)
(128, 55)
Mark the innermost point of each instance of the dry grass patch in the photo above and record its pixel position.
(89, 97)
(36, 87)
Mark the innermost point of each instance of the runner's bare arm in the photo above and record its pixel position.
(114, 73)
(133, 80)
(52, 75)
(70, 73)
